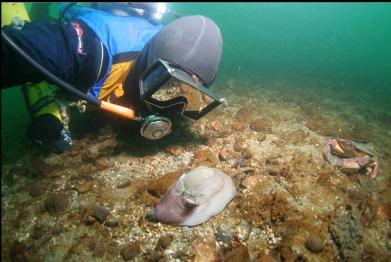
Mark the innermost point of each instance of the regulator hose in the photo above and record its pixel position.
(116, 109)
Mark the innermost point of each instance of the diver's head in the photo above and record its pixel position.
(189, 51)
(192, 43)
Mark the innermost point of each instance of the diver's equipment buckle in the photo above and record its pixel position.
(81, 105)
(17, 22)
(155, 127)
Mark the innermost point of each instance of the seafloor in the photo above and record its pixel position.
(90, 203)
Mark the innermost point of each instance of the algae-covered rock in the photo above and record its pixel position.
(347, 234)
(56, 204)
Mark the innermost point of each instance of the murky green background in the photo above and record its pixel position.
(345, 43)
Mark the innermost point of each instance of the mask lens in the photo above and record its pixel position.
(196, 100)
(164, 87)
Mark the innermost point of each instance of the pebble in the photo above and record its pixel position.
(101, 213)
(165, 241)
(384, 211)
(114, 222)
(153, 256)
(296, 136)
(206, 155)
(130, 251)
(267, 258)
(102, 163)
(314, 244)
(86, 187)
(238, 253)
(223, 233)
(112, 248)
(274, 170)
(238, 126)
(259, 125)
(37, 189)
(261, 137)
(38, 231)
(246, 153)
(244, 114)
(223, 155)
(174, 150)
(250, 182)
(56, 204)
(57, 229)
(206, 249)
(124, 184)
(217, 125)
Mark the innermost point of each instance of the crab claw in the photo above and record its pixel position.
(327, 153)
(375, 169)
(349, 165)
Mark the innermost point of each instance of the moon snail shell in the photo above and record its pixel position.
(195, 197)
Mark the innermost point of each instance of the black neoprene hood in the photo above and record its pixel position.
(192, 42)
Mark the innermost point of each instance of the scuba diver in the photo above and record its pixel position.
(119, 57)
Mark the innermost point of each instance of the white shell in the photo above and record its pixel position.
(197, 196)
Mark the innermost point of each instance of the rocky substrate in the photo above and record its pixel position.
(90, 203)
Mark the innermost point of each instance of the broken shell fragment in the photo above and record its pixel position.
(195, 197)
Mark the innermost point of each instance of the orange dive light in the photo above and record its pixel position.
(119, 110)
(153, 127)
(116, 109)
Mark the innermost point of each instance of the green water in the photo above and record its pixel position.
(346, 43)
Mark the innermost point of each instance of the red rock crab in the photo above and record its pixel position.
(350, 157)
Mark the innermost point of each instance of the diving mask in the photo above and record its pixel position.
(164, 86)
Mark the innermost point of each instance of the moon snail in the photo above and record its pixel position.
(195, 197)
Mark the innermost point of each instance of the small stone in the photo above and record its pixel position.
(260, 125)
(86, 187)
(239, 253)
(165, 241)
(114, 222)
(150, 215)
(250, 182)
(96, 247)
(23, 217)
(384, 211)
(217, 125)
(56, 204)
(101, 213)
(223, 155)
(57, 229)
(124, 184)
(224, 233)
(102, 163)
(206, 249)
(261, 138)
(174, 150)
(314, 244)
(238, 126)
(153, 256)
(206, 156)
(37, 189)
(20, 252)
(246, 153)
(244, 114)
(274, 170)
(39, 168)
(112, 248)
(130, 251)
(14, 173)
(267, 258)
(296, 136)
(38, 231)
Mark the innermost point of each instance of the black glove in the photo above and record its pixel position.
(48, 132)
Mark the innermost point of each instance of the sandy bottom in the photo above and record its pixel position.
(90, 203)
